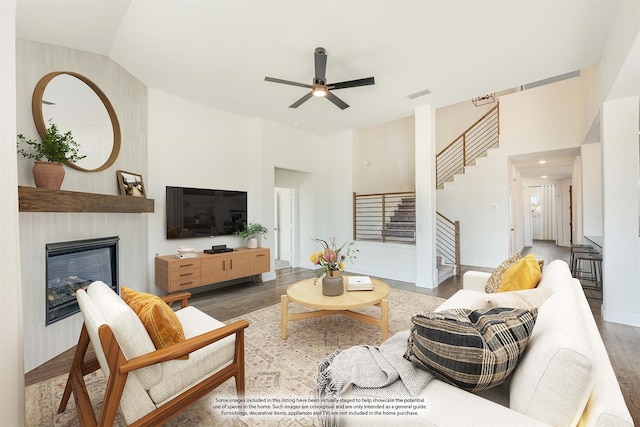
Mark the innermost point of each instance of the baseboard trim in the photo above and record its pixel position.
(630, 319)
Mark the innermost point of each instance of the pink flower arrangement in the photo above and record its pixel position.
(332, 258)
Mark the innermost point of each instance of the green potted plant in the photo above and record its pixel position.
(57, 148)
(250, 232)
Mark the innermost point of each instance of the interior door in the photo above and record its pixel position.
(284, 222)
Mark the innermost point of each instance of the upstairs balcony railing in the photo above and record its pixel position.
(465, 149)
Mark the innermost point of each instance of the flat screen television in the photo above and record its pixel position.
(200, 212)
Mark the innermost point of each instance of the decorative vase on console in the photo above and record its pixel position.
(332, 260)
(332, 284)
(250, 232)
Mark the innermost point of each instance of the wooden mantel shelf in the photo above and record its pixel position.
(33, 199)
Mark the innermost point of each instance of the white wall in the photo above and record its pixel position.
(620, 90)
(289, 158)
(544, 118)
(479, 199)
(577, 214)
(591, 156)
(12, 405)
(129, 99)
(621, 245)
(192, 145)
(425, 158)
(383, 157)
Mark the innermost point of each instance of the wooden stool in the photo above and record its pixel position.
(595, 263)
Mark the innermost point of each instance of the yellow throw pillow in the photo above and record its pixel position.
(493, 283)
(524, 274)
(158, 318)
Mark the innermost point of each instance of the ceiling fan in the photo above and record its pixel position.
(320, 87)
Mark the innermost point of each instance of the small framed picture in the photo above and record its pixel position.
(130, 184)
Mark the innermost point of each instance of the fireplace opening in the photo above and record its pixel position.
(75, 265)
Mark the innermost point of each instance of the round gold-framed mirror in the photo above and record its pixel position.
(75, 103)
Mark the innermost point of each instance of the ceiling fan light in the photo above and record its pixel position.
(319, 91)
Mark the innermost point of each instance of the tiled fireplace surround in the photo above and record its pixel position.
(129, 98)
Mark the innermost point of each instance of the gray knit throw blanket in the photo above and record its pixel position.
(380, 372)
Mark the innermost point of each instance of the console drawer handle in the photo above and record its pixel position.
(186, 274)
(186, 284)
(186, 265)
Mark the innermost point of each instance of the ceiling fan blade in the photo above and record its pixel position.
(287, 82)
(352, 83)
(320, 59)
(300, 101)
(337, 101)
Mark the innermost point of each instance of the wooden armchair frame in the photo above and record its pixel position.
(120, 367)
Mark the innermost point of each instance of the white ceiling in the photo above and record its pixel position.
(549, 165)
(217, 52)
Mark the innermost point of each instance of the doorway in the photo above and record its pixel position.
(284, 201)
(544, 212)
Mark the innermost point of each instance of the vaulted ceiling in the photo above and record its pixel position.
(217, 52)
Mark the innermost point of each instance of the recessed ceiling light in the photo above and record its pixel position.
(544, 177)
(542, 162)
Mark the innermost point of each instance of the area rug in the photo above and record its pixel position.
(274, 367)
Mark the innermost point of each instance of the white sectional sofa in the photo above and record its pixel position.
(564, 378)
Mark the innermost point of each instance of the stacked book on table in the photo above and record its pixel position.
(359, 283)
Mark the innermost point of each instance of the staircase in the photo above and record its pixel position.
(401, 224)
(465, 149)
(451, 165)
(445, 271)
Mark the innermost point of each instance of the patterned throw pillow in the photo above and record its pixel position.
(471, 349)
(160, 321)
(496, 277)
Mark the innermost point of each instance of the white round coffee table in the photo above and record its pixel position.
(306, 294)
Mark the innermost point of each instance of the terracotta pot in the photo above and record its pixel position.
(48, 175)
(332, 284)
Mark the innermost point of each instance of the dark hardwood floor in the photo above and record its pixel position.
(225, 303)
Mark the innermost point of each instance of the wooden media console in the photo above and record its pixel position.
(177, 274)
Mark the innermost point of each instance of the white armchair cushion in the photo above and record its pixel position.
(135, 402)
(127, 328)
(202, 363)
